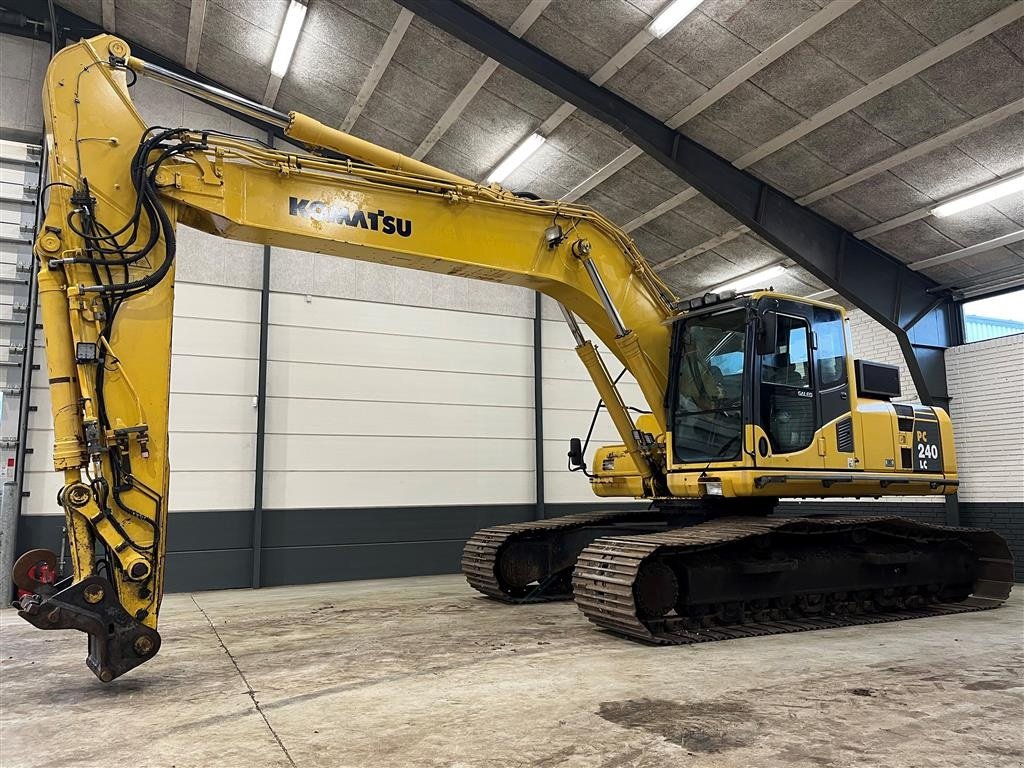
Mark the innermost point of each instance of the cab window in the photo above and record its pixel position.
(789, 363)
(707, 414)
(787, 397)
(831, 349)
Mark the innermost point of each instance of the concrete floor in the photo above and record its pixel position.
(422, 672)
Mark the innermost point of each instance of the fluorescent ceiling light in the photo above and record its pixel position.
(671, 15)
(752, 279)
(289, 37)
(517, 157)
(972, 199)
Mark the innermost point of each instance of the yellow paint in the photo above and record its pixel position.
(241, 190)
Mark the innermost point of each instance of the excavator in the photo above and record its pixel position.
(751, 397)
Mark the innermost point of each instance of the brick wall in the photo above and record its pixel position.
(872, 341)
(986, 382)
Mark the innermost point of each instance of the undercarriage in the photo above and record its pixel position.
(684, 576)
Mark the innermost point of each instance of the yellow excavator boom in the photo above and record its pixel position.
(117, 190)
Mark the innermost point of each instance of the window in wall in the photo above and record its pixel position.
(994, 316)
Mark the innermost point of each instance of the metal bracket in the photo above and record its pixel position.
(117, 641)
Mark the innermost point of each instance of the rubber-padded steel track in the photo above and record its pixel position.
(606, 573)
(483, 551)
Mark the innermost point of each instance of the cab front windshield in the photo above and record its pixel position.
(708, 421)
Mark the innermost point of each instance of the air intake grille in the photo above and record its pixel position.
(844, 435)
(905, 414)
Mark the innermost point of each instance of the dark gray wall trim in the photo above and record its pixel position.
(575, 508)
(220, 529)
(208, 569)
(306, 565)
(212, 549)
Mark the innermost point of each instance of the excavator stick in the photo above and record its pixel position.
(743, 577)
(117, 641)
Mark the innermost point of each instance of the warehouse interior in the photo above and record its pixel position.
(340, 428)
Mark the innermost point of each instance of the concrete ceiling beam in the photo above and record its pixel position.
(196, 17)
(380, 63)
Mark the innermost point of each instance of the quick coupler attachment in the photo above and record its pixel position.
(117, 641)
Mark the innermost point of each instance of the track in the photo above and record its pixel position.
(532, 562)
(648, 587)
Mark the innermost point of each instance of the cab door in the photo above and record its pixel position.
(833, 393)
(787, 408)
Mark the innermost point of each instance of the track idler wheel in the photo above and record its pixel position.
(521, 564)
(656, 589)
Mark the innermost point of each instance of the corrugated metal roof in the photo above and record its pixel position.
(979, 328)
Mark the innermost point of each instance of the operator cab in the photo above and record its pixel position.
(769, 361)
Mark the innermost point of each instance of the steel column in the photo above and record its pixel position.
(538, 403)
(907, 303)
(261, 421)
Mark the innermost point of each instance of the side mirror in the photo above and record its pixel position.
(768, 334)
(576, 454)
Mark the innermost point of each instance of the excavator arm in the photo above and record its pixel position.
(118, 189)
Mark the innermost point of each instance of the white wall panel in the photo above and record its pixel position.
(214, 375)
(211, 452)
(216, 338)
(362, 383)
(42, 487)
(374, 404)
(569, 401)
(352, 417)
(562, 425)
(298, 489)
(420, 322)
(581, 394)
(396, 455)
(211, 413)
(220, 489)
(332, 347)
(215, 302)
(214, 368)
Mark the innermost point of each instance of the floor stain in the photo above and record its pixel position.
(862, 691)
(699, 727)
(994, 685)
